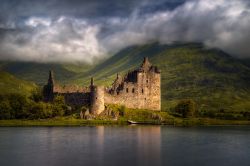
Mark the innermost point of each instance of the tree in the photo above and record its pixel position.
(59, 106)
(19, 106)
(5, 109)
(186, 108)
(40, 110)
(36, 95)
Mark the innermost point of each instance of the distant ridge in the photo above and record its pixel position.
(11, 84)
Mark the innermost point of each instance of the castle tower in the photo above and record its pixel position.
(51, 78)
(96, 98)
(145, 66)
(149, 86)
(48, 90)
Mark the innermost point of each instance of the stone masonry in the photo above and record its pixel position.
(140, 89)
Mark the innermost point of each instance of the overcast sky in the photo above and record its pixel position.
(82, 30)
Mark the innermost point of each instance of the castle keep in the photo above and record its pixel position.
(140, 88)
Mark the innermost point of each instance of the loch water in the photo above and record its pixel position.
(125, 145)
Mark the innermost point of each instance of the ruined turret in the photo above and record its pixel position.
(116, 84)
(146, 65)
(96, 98)
(51, 78)
(48, 90)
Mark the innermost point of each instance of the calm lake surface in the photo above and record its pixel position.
(126, 145)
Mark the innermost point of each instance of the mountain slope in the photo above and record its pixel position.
(10, 84)
(38, 72)
(126, 59)
(212, 78)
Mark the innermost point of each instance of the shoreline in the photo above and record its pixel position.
(80, 122)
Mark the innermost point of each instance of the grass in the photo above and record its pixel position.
(80, 122)
(11, 84)
(59, 122)
(143, 116)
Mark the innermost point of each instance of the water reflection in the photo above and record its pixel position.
(138, 145)
(127, 145)
(149, 145)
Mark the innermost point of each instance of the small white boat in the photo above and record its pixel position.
(132, 122)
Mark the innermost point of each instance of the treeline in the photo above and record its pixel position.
(18, 106)
(187, 108)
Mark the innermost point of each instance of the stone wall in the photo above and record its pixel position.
(144, 94)
(140, 88)
(76, 98)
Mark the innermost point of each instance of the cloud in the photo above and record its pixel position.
(69, 38)
(36, 21)
(64, 39)
(222, 24)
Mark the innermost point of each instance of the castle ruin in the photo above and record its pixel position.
(140, 89)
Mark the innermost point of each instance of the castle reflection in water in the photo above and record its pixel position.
(142, 143)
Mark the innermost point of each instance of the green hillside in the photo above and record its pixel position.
(126, 59)
(38, 72)
(10, 84)
(215, 80)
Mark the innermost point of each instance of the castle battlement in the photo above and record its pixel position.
(140, 88)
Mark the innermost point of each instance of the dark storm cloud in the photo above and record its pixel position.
(76, 30)
(78, 8)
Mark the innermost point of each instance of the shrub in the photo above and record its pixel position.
(5, 109)
(186, 108)
(122, 110)
(40, 110)
(59, 106)
(36, 95)
(19, 106)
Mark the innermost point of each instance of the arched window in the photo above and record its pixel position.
(141, 90)
(127, 90)
(133, 90)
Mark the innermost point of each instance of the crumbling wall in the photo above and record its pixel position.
(140, 88)
(144, 94)
(76, 98)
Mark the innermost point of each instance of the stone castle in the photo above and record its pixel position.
(140, 88)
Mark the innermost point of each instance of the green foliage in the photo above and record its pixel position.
(122, 110)
(186, 108)
(139, 114)
(59, 106)
(40, 110)
(215, 80)
(17, 106)
(36, 95)
(5, 109)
